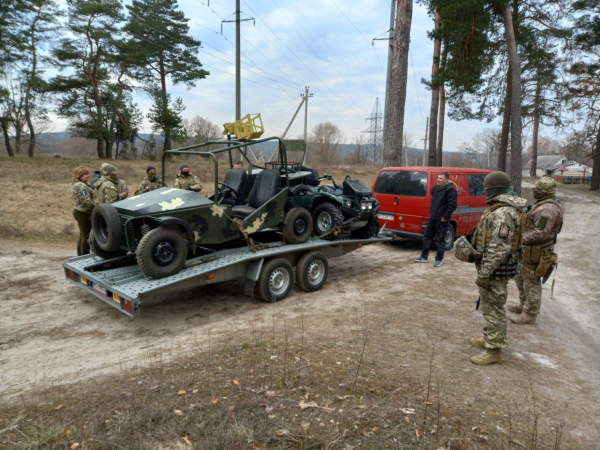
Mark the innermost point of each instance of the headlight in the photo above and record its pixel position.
(370, 206)
(348, 203)
(363, 206)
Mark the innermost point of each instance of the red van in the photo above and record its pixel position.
(404, 195)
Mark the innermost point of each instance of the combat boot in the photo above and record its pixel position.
(487, 358)
(514, 308)
(477, 342)
(522, 319)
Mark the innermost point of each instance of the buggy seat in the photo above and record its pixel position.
(266, 186)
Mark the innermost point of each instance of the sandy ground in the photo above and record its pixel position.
(52, 332)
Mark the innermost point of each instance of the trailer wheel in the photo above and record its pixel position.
(97, 250)
(106, 224)
(297, 226)
(276, 280)
(161, 253)
(312, 271)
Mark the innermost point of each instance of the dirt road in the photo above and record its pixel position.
(52, 332)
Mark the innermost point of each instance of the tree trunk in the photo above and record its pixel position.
(503, 150)
(397, 98)
(515, 109)
(167, 145)
(442, 115)
(32, 75)
(4, 125)
(109, 146)
(100, 148)
(595, 184)
(536, 128)
(17, 137)
(435, 93)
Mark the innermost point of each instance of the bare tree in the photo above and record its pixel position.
(324, 143)
(360, 152)
(392, 153)
(200, 129)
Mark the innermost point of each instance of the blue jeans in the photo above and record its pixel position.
(436, 230)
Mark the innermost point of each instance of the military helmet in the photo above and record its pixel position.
(464, 251)
(546, 186)
(495, 179)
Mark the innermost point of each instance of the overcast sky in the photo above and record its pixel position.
(297, 43)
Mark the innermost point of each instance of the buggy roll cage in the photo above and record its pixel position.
(231, 145)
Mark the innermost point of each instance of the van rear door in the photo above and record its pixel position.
(413, 201)
(386, 192)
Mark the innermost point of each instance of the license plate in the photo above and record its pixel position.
(100, 289)
(385, 216)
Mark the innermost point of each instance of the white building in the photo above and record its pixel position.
(558, 165)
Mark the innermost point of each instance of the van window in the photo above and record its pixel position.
(387, 183)
(476, 185)
(413, 184)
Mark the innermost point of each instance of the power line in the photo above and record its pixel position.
(412, 66)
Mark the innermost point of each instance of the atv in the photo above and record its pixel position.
(165, 227)
(336, 209)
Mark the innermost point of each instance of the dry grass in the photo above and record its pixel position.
(36, 201)
(275, 389)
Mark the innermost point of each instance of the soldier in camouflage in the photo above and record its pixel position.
(149, 182)
(544, 222)
(498, 238)
(123, 188)
(84, 204)
(107, 188)
(186, 180)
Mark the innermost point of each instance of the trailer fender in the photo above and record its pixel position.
(252, 275)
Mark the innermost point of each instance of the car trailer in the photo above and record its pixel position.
(270, 270)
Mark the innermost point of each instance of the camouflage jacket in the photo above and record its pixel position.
(124, 189)
(105, 191)
(544, 222)
(84, 197)
(146, 186)
(501, 224)
(191, 182)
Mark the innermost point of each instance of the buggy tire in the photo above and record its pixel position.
(106, 224)
(312, 271)
(161, 253)
(325, 217)
(276, 280)
(370, 230)
(98, 251)
(297, 226)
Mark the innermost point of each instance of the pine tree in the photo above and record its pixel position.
(162, 49)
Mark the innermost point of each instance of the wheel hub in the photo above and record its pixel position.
(325, 221)
(300, 226)
(164, 253)
(279, 281)
(316, 271)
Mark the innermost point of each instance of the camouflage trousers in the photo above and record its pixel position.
(84, 221)
(530, 289)
(493, 299)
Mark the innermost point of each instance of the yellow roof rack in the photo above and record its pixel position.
(248, 127)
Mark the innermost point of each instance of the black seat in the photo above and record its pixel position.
(303, 189)
(266, 186)
(236, 179)
(312, 180)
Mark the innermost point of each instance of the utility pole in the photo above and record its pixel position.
(306, 96)
(304, 101)
(238, 59)
(425, 143)
(388, 80)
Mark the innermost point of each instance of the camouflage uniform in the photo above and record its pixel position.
(497, 238)
(124, 189)
(107, 188)
(191, 182)
(82, 213)
(544, 222)
(146, 185)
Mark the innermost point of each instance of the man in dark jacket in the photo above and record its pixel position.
(443, 204)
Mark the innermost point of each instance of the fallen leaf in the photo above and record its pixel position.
(306, 395)
(282, 433)
(181, 392)
(187, 441)
(305, 425)
(417, 433)
(407, 410)
(59, 406)
(213, 400)
(74, 445)
(271, 416)
(254, 447)
(236, 382)
(131, 379)
(304, 405)
(177, 412)
(326, 409)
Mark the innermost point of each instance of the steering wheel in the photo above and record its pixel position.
(232, 192)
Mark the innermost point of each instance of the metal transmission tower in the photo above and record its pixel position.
(375, 131)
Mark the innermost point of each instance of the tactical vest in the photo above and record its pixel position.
(533, 253)
(482, 238)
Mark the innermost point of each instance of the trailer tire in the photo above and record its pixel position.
(106, 224)
(98, 251)
(297, 226)
(370, 230)
(161, 253)
(312, 271)
(276, 280)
